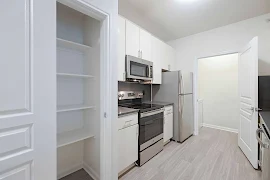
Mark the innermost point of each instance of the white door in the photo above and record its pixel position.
(27, 93)
(121, 48)
(132, 39)
(248, 91)
(145, 45)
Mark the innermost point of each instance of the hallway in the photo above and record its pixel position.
(213, 155)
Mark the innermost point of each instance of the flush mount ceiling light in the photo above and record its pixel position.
(185, 1)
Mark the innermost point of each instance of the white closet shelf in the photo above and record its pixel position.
(75, 75)
(73, 108)
(70, 137)
(72, 45)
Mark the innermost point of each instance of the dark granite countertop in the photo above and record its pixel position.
(265, 115)
(124, 111)
(159, 103)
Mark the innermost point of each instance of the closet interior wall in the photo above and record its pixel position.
(78, 92)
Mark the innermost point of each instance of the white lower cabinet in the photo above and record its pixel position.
(127, 142)
(168, 124)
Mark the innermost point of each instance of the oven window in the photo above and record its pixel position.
(137, 69)
(150, 127)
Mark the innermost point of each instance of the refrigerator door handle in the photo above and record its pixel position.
(183, 87)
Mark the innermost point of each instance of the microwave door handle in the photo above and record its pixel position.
(149, 71)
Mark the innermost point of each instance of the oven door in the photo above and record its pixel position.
(138, 68)
(151, 129)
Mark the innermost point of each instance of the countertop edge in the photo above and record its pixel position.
(129, 112)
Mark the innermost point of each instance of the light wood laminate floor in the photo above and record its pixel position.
(213, 155)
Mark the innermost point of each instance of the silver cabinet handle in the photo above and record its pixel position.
(264, 145)
(254, 109)
(139, 53)
(258, 109)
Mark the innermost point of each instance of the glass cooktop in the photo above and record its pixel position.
(143, 107)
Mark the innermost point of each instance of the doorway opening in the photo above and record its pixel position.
(218, 98)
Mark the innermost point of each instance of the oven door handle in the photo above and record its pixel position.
(152, 112)
(264, 145)
(148, 122)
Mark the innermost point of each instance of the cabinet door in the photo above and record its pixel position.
(165, 129)
(27, 105)
(145, 45)
(169, 125)
(121, 48)
(132, 39)
(127, 147)
(156, 59)
(171, 57)
(164, 55)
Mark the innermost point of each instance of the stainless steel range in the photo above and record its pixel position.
(151, 118)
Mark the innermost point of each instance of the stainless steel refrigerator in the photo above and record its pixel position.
(177, 87)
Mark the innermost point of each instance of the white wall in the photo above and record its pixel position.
(229, 38)
(218, 87)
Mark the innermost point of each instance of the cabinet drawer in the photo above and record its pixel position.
(126, 121)
(168, 110)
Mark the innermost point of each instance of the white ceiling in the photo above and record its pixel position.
(173, 19)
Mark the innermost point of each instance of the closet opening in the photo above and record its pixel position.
(79, 73)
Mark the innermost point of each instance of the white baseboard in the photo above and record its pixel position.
(220, 128)
(73, 169)
(91, 172)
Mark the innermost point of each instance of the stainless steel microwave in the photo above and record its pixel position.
(138, 69)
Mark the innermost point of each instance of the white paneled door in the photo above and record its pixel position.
(27, 93)
(248, 92)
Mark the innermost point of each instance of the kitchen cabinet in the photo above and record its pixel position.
(168, 124)
(121, 49)
(145, 45)
(128, 133)
(157, 60)
(168, 57)
(132, 39)
(138, 41)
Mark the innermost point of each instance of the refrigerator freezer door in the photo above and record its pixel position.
(186, 119)
(185, 82)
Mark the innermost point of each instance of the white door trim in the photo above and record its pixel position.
(108, 107)
(195, 86)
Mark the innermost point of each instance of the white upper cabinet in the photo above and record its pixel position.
(145, 44)
(121, 48)
(132, 39)
(157, 60)
(168, 57)
(138, 42)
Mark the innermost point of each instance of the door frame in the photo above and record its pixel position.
(108, 87)
(195, 85)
